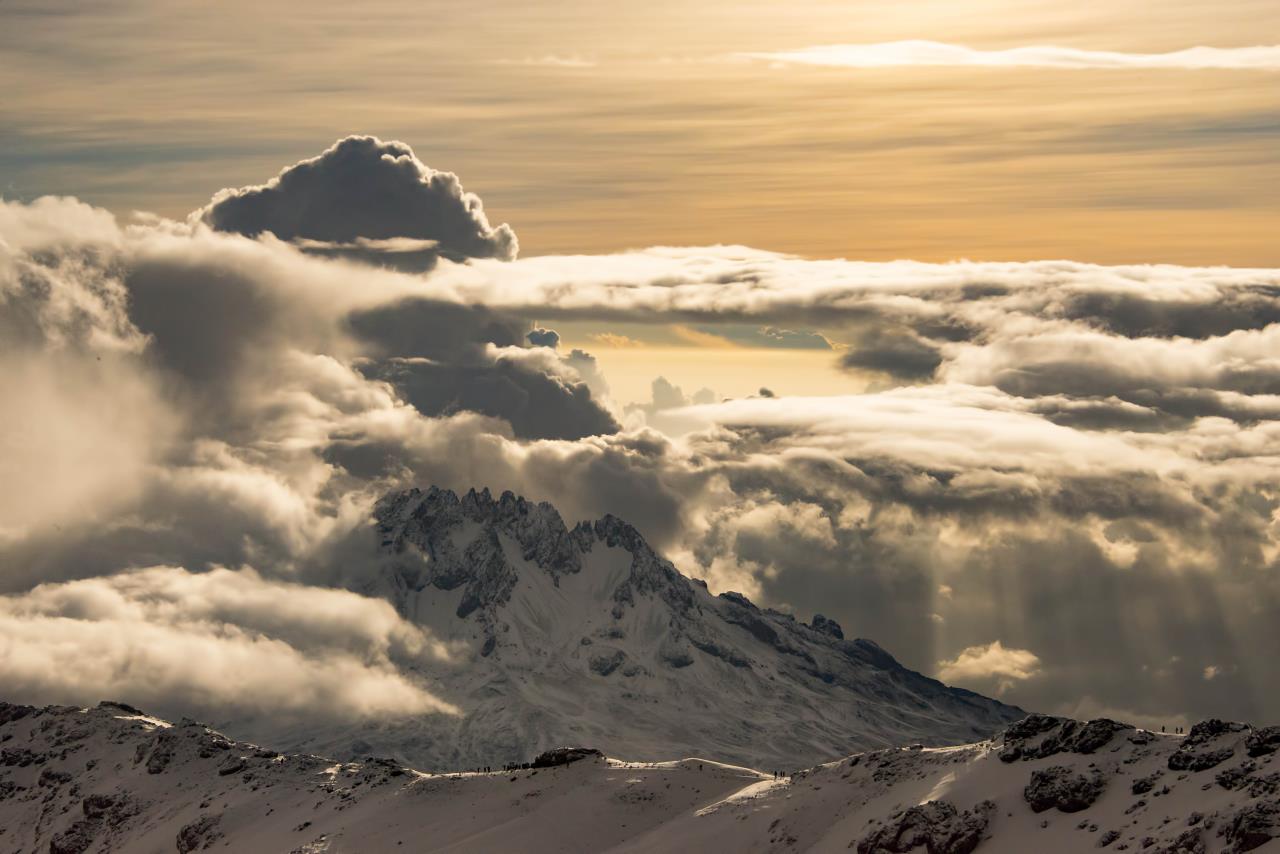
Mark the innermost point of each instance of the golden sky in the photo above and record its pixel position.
(594, 127)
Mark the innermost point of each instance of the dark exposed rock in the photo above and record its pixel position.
(1236, 777)
(198, 834)
(713, 649)
(1018, 733)
(1265, 785)
(1191, 760)
(211, 744)
(50, 777)
(1042, 736)
(607, 661)
(1188, 842)
(20, 757)
(936, 825)
(1262, 742)
(564, 756)
(123, 707)
(1197, 751)
(1063, 787)
(1253, 826)
(98, 806)
(827, 626)
(1206, 731)
(233, 764)
(76, 839)
(162, 752)
(1094, 735)
(675, 656)
(1142, 785)
(10, 712)
(101, 813)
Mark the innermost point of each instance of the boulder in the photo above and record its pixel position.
(198, 834)
(1063, 787)
(827, 626)
(1254, 826)
(1198, 760)
(936, 825)
(1263, 741)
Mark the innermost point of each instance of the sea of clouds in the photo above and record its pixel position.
(1061, 484)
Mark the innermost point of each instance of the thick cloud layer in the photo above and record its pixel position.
(227, 641)
(1060, 482)
(362, 196)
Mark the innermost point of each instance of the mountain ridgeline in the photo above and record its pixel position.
(586, 636)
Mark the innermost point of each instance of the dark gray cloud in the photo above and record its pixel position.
(432, 329)
(364, 189)
(543, 337)
(538, 405)
(898, 353)
(1139, 315)
(434, 354)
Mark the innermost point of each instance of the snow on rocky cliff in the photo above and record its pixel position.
(584, 635)
(113, 779)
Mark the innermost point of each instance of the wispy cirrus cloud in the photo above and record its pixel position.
(551, 60)
(940, 54)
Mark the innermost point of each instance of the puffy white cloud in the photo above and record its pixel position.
(992, 661)
(228, 641)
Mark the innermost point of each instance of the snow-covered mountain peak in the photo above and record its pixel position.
(584, 634)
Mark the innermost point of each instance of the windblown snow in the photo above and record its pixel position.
(585, 635)
(112, 779)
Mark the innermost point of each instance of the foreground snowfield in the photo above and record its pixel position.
(113, 779)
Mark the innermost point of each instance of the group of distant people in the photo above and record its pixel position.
(783, 775)
(1176, 730)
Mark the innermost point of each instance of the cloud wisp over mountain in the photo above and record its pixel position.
(940, 54)
(1059, 481)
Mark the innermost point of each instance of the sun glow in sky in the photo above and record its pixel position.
(597, 127)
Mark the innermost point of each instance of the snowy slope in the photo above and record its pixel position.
(586, 636)
(111, 779)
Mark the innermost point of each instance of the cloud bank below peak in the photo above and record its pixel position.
(923, 53)
(227, 640)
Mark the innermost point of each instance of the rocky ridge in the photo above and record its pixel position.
(113, 779)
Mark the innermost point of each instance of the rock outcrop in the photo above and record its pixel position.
(937, 826)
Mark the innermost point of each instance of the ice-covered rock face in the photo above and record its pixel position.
(477, 543)
(458, 543)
